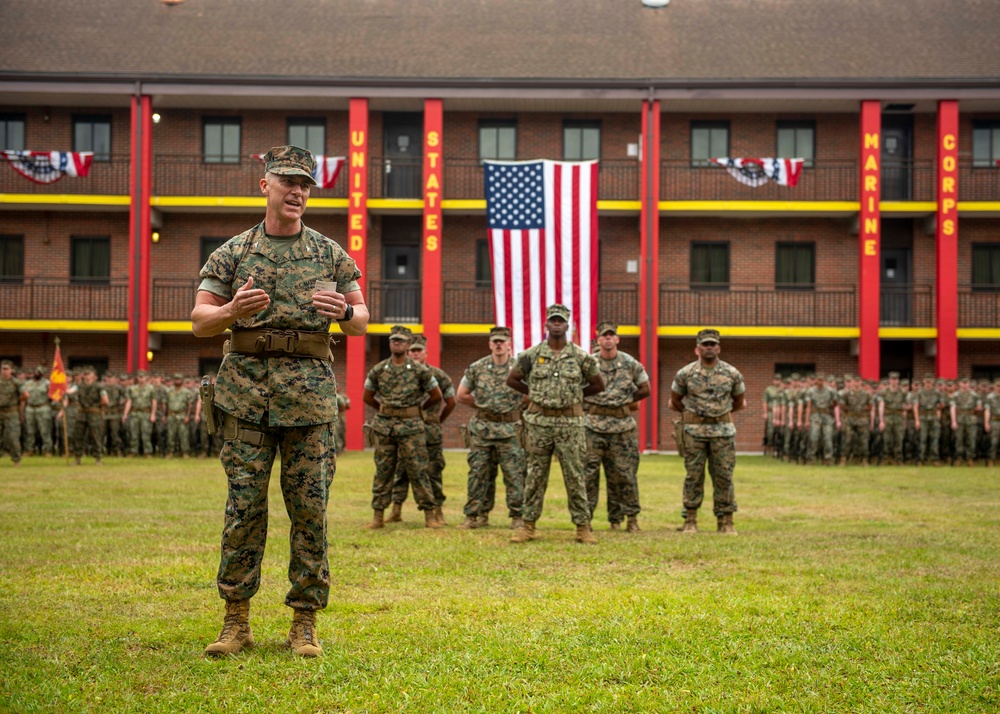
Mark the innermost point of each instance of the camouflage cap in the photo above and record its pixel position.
(558, 310)
(499, 334)
(928, 375)
(787, 380)
(904, 381)
(893, 375)
(941, 381)
(7, 363)
(996, 382)
(398, 332)
(831, 378)
(964, 380)
(606, 326)
(419, 342)
(708, 336)
(178, 375)
(290, 161)
(778, 376)
(796, 375)
(40, 369)
(142, 373)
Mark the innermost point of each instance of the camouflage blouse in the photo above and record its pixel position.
(622, 377)
(10, 393)
(555, 381)
(37, 391)
(290, 391)
(488, 384)
(856, 403)
(821, 399)
(709, 393)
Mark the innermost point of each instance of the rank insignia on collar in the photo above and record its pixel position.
(541, 360)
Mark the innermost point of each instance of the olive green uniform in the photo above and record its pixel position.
(10, 417)
(37, 415)
(821, 401)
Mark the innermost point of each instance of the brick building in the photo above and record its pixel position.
(886, 255)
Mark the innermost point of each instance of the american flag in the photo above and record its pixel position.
(542, 221)
(50, 166)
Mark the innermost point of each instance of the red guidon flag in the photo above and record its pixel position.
(542, 221)
(57, 380)
(50, 166)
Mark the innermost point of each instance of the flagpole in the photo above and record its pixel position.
(63, 411)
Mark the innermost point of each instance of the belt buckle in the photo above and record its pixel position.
(281, 341)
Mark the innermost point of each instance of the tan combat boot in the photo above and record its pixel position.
(843, 461)
(235, 633)
(469, 523)
(632, 526)
(726, 526)
(302, 639)
(483, 520)
(431, 519)
(584, 535)
(378, 519)
(690, 522)
(396, 514)
(439, 515)
(516, 522)
(615, 526)
(525, 533)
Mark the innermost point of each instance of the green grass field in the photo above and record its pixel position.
(847, 590)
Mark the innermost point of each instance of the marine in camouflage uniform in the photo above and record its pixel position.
(927, 404)
(707, 391)
(793, 417)
(991, 405)
(180, 407)
(612, 434)
(857, 418)
(113, 413)
(891, 404)
(37, 413)
(771, 397)
(278, 287)
(90, 423)
(401, 390)
(10, 412)
(493, 433)
(72, 409)
(963, 404)
(343, 404)
(160, 424)
(434, 416)
(823, 415)
(553, 374)
(139, 414)
(910, 436)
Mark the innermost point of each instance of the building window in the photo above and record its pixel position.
(90, 261)
(100, 364)
(709, 140)
(208, 246)
(11, 259)
(221, 141)
(484, 264)
(986, 267)
(309, 134)
(710, 266)
(12, 132)
(497, 140)
(985, 143)
(986, 372)
(795, 266)
(581, 140)
(797, 140)
(787, 369)
(93, 133)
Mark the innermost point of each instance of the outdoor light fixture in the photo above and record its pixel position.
(156, 236)
(156, 118)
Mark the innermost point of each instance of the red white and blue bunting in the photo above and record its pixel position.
(757, 172)
(49, 166)
(327, 169)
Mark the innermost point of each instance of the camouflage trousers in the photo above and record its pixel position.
(10, 433)
(177, 435)
(720, 454)
(994, 443)
(38, 424)
(855, 436)
(435, 469)
(565, 439)
(208, 444)
(821, 427)
(89, 436)
(140, 430)
(308, 465)
(113, 433)
(789, 440)
(341, 434)
(769, 432)
(929, 439)
(484, 459)
(405, 447)
(895, 430)
(966, 438)
(619, 454)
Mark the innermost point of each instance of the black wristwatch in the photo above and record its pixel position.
(348, 314)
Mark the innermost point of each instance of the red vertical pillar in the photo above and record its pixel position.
(430, 303)
(649, 283)
(947, 240)
(869, 278)
(140, 173)
(357, 246)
